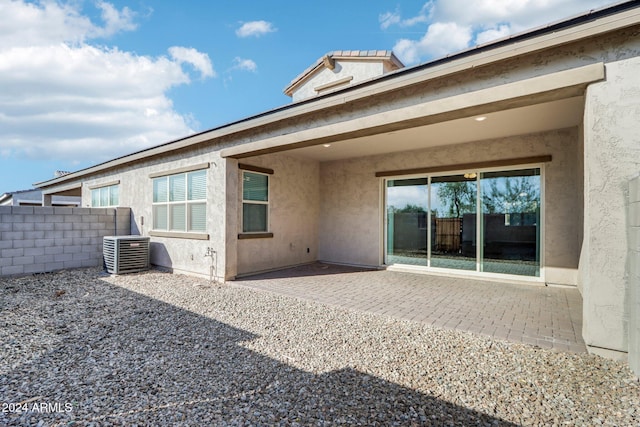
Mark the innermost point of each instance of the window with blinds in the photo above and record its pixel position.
(255, 202)
(105, 196)
(179, 202)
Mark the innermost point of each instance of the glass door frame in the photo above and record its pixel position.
(479, 222)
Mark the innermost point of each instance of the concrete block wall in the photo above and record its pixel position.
(633, 288)
(43, 239)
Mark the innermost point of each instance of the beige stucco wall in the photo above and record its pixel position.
(580, 214)
(633, 291)
(294, 209)
(293, 216)
(359, 70)
(351, 211)
(611, 158)
(136, 192)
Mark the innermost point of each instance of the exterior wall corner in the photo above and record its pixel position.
(611, 150)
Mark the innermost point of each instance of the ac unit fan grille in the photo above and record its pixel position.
(126, 254)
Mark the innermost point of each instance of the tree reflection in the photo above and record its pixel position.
(459, 197)
(511, 194)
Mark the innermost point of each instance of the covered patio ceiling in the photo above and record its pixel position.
(558, 114)
(70, 190)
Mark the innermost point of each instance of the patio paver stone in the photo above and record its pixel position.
(549, 317)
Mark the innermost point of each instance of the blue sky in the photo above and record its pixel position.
(82, 82)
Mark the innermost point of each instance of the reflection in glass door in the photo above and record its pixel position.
(453, 221)
(407, 201)
(432, 221)
(511, 222)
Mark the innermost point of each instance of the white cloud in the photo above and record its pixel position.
(441, 38)
(29, 24)
(115, 20)
(255, 28)
(63, 98)
(388, 19)
(478, 21)
(520, 14)
(413, 21)
(200, 61)
(244, 64)
(491, 34)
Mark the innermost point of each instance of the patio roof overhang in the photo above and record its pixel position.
(552, 101)
(67, 190)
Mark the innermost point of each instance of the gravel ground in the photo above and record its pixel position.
(84, 348)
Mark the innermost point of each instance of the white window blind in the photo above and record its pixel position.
(197, 185)
(255, 202)
(198, 217)
(160, 217)
(179, 202)
(177, 190)
(178, 217)
(105, 196)
(95, 197)
(255, 187)
(113, 195)
(160, 190)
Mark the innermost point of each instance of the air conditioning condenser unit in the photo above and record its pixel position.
(125, 254)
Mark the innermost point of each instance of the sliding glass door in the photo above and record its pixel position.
(453, 222)
(407, 204)
(511, 222)
(485, 221)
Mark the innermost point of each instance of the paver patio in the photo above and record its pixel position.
(549, 317)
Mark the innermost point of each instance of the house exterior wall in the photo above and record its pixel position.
(611, 153)
(293, 216)
(351, 207)
(175, 253)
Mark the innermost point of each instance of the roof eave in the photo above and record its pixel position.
(301, 78)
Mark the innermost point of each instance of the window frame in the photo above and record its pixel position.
(538, 163)
(259, 233)
(188, 230)
(111, 189)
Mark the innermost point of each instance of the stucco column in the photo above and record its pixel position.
(633, 296)
(231, 218)
(46, 199)
(611, 158)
